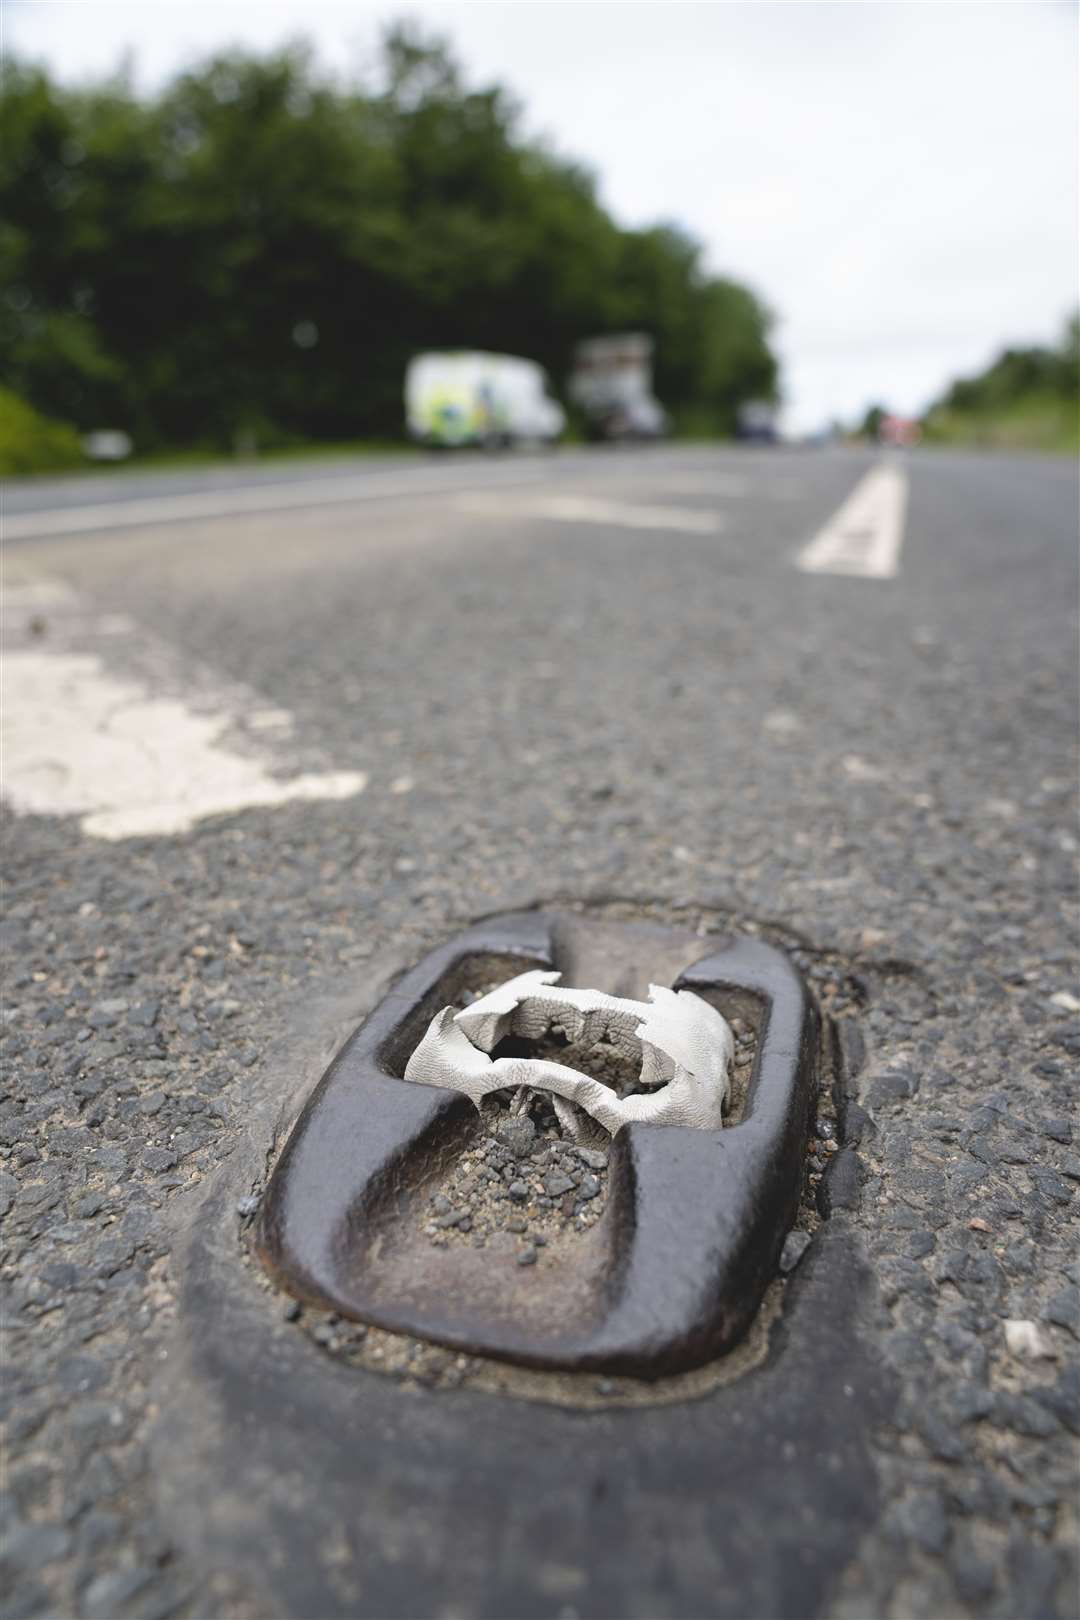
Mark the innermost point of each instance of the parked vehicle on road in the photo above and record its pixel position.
(756, 422)
(899, 432)
(612, 384)
(467, 397)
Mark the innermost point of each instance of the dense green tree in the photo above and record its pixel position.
(1018, 374)
(253, 254)
(1027, 399)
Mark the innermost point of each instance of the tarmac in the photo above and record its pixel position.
(601, 680)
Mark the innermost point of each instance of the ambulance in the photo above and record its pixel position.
(466, 397)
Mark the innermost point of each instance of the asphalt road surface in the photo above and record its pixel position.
(267, 740)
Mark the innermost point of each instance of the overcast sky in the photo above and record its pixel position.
(897, 180)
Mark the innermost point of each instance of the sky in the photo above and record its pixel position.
(897, 179)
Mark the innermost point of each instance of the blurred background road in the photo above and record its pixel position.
(254, 755)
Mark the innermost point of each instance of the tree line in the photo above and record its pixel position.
(250, 256)
(1025, 399)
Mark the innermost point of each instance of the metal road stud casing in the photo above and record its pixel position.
(670, 1275)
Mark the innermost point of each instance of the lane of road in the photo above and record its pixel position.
(44, 508)
(61, 497)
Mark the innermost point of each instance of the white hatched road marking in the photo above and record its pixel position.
(863, 539)
(78, 740)
(588, 509)
(718, 484)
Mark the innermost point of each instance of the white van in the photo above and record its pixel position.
(466, 397)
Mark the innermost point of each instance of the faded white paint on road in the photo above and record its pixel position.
(79, 740)
(721, 485)
(619, 514)
(588, 509)
(863, 539)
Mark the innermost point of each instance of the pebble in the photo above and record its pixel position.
(1027, 1338)
(518, 1133)
(32, 1546)
(527, 1257)
(555, 1182)
(158, 1159)
(1063, 1310)
(521, 1163)
(795, 1246)
(593, 1157)
(105, 1596)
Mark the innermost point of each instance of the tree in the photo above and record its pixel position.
(253, 253)
(871, 423)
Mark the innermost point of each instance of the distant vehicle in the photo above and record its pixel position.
(107, 444)
(756, 422)
(900, 432)
(819, 438)
(466, 397)
(612, 383)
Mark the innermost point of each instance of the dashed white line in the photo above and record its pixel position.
(864, 538)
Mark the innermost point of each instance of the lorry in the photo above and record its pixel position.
(611, 383)
(456, 398)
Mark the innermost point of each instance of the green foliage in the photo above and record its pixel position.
(251, 256)
(32, 443)
(1028, 399)
(871, 422)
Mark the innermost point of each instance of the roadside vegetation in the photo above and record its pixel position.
(247, 260)
(30, 442)
(1029, 399)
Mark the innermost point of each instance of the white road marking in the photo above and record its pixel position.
(719, 484)
(79, 740)
(863, 539)
(861, 770)
(269, 720)
(612, 514)
(280, 497)
(782, 723)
